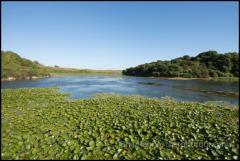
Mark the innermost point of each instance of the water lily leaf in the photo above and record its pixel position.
(28, 147)
(115, 157)
(91, 143)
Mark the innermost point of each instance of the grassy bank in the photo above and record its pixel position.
(39, 123)
(64, 71)
(85, 74)
(14, 67)
(223, 79)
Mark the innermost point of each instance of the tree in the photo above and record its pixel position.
(204, 65)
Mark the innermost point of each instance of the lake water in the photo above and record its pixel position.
(84, 86)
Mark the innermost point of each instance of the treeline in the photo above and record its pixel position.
(12, 65)
(204, 65)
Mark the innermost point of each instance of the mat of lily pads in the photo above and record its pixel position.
(41, 123)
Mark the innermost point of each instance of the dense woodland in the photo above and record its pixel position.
(12, 65)
(204, 65)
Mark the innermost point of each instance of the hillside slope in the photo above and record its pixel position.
(15, 67)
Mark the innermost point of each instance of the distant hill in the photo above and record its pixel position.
(60, 70)
(204, 65)
(15, 67)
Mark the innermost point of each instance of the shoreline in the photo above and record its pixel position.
(57, 74)
(224, 79)
(27, 78)
(231, 79)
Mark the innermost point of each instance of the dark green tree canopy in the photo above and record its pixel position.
(205, 64)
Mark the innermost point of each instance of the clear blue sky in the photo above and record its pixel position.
(117, 35)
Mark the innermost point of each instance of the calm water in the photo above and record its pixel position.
(87, 85)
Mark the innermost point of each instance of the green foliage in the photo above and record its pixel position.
(39, 123)
(12, 65)
(204, 65)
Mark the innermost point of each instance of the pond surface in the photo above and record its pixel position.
(84, 86)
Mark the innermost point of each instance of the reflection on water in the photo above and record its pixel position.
(87, 85)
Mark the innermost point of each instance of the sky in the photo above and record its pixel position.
(117, 35)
